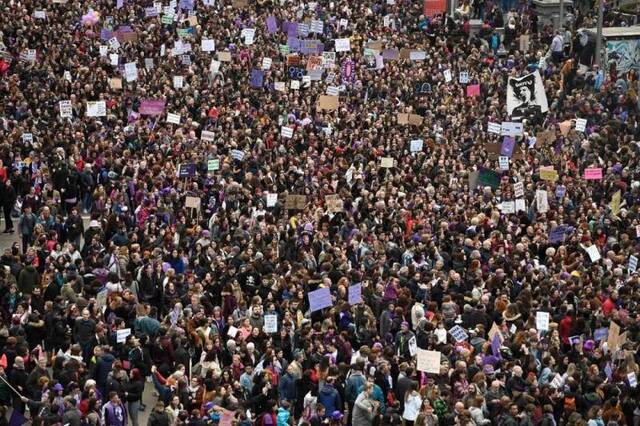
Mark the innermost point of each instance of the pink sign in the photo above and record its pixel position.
(473, 90)
(152, 107)
(593, 173)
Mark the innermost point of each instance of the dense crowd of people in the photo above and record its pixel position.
(271, 212)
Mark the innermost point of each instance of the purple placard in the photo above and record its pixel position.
(187, 170)
(152, 106)
(557, 234)
(150, 12)
(105, 34)
(257, 78)
(311, 47)
(508, 143)
(355, 294)
(186, 4)
(390, 54)
(292, 29)
(320, 299)
(294, 44)
(272, 24)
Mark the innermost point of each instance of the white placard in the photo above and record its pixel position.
(413, 346)
(40, 14)
(542, 321)
(96, 108)
(207, 136)
(494, 128)
(521, 205)
(518, 189)
(447, 75)
(173, 118)
(236, 154)
(272, 199)
(633, 380)
(270, 323)
(416, 145)
(511, 128)
(508, 207)
(503, 161)
(104, 50)
(178, 81)
(316, 26)
(633, 264)
(463, 78)
(280, 86)
(593, 252)
(286, 132)
(113, 43)
(131, 71)
(208, 45)
(121, 335)
(113, 59)
(295, 84)
(581, 124)
(343, 44)
(542, 203)
(333, 91)
(417, 55)
(214, 67)
(27, 138)
(266, 63)
(66, 111)
(428, 361)
(232, 332)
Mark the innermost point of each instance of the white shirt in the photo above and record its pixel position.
(557, 43)
(412, 407)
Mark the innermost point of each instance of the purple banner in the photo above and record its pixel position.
(105, 34)
(152, 106)
(294, 44)
(272, 24)
(292, 29)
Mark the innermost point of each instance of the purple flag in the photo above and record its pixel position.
(495, 345)
(272, 24)
(151, 107)
(257, 78)
(508, 143)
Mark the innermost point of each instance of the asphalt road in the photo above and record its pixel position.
(148, 398)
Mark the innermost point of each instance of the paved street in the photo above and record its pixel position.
(6, 240)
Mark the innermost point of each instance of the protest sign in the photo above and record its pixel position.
(542, 202)
(207, 136)
(115, 83)
(494, 128)
(581, 124)
(458, 333)
(386, 162)
(271, 323)
(152, 106)
(593, 252)
(213, 165)
(428, 361)
(542, 321)
(173, 118)
(594, 173)
(334, 203)
(518, 189)
(295, 202)
(413, 346)
(416, 145)
(526, 96)
(319, 299)
(463, 77)
(473, 90)
(616, 201)
(613, 336)
(510, 128)
(121, 335)
(286, 132)
(272, 199)
(96, 108)
(328, 103)
(192, 202)
(342, 44)
(355, 294)
(186, 170)
(503, 163)
(548, 174)
(633, 264)
(66, 110)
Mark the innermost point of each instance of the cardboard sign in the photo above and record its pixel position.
(319, 299)
(548, 174)
(115, 83)
(192, 202)
(386, 162)
(224, 56)
(295, 202)
(328, 103)
(334, 203)
(428, 361)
